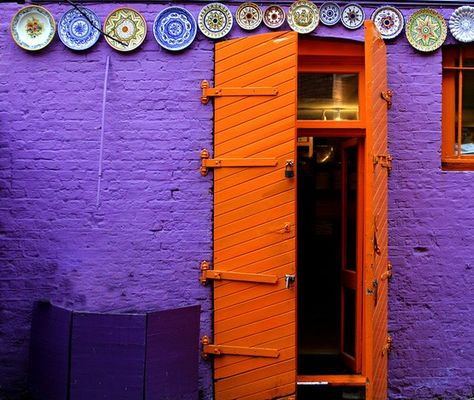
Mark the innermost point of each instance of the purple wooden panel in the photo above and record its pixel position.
(172, 354)
(107, 356)
(49, 352)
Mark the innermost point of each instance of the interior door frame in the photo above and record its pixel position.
(352, 277)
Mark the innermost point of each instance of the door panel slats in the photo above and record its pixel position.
(254, 212)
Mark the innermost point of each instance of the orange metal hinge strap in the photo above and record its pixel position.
(219, 350)
(207, 273)
(207, 162)
(387, 96)
(208, 91)
(385, 161)
(388, 273)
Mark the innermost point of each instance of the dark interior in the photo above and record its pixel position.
(319, 259)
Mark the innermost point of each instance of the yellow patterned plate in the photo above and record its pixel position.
(303, 16)
(426, 30)
(127, 27)
(33, 28)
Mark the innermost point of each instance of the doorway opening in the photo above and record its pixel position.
(328, 267)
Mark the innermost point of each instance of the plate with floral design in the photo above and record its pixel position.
(353, 16)
(249, 16)
(388, 21)
(274, 16)
(461, 24)
(303, 16)
(33, 28)
(426, 30)
(126, 29)
(174, 28)
(79, 29)
(330, 13)
(215, 20)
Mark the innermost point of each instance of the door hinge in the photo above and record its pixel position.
(207, 162)
(220, 350)
(387, 96)
(388, 273)
(208, 91)
(387, 346)
(207, 273)
(385, 161)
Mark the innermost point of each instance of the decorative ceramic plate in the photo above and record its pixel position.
(215, 20)
(426, 30)
(76, 31)
(249, 16)
(33, 28)
(353, 16)
(330, 13)
(274, 16)
(461, 24)
(303, 16)
(174, 28)
(127, 27)
(388, 21)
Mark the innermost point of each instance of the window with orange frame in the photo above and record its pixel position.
(457, 152)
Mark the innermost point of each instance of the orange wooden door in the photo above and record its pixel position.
(375, 224)
(254, 218)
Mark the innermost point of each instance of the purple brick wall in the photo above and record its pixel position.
(139, 250)
(431, 227)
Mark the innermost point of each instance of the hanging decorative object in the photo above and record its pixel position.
(174, 28)
(353, 16)
(248, 16)
(33, 28)
(274, 16)
(426, 30)
(303, 16)
(388, 21)
(215, 20)
(330, 13)
(461, 24)
(75, 30)
(127, 26)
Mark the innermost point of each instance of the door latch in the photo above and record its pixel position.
(289, 279)
(374, 290)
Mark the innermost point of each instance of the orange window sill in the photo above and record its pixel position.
(465, 163)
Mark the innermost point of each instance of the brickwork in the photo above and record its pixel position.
(140, 248)
(430, 226)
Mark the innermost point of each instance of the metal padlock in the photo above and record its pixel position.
(289, 173)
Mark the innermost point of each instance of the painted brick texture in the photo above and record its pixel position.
(140, 248)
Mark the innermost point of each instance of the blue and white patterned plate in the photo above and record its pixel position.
(330, 13)
(75, 30)
(352, 16)
(174, 28)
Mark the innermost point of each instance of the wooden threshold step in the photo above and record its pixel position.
(331, 380)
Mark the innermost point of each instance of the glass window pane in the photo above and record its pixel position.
(328, 96)
(467, 140)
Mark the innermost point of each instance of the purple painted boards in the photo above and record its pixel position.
(49, 352)
(107, 356)
(172, 354)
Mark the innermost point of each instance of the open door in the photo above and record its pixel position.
(351, 254)
(377, 167)
(254, 217)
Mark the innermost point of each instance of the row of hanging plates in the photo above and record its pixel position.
(175, 28)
